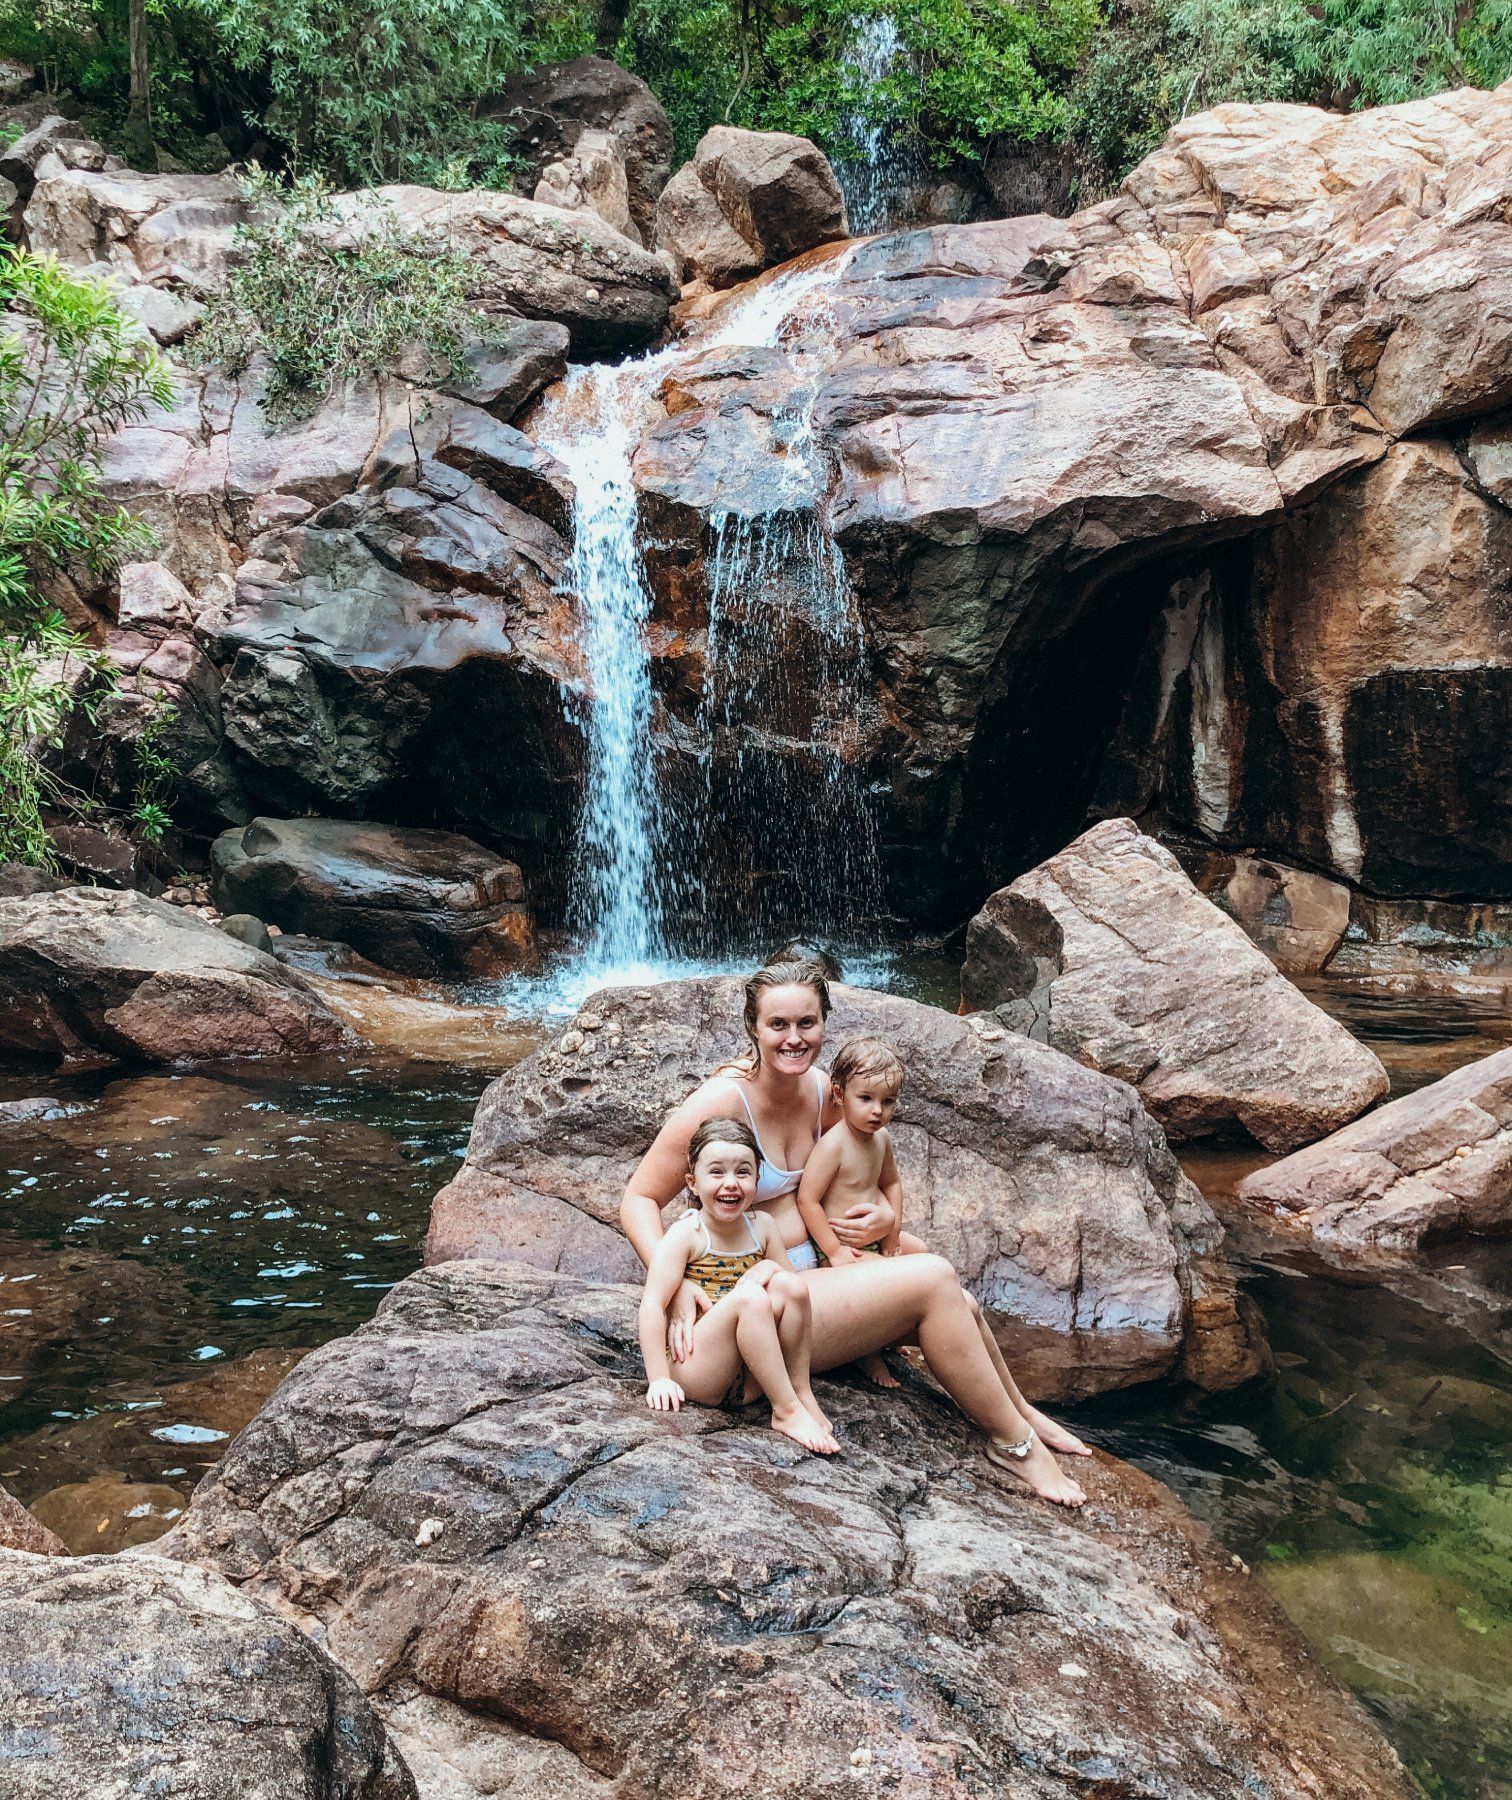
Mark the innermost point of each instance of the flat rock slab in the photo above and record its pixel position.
(419, 902)
(1048, 1186)
(1110, 953)
(1433, 1165)
(129, 1676)
(544, 1588)
(87, 972)
(21, 1530)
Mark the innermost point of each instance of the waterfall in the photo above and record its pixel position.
(772, 741)
(869, 179)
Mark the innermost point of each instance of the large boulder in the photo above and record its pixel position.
(591, 179)
(770, 193)
(540, 1584)
(92, 972)
(1149, 981)
(1047, 1186)
(1434, 1165)
(419, 902)
(125, 1676)
(550, 109)
(1297, 918)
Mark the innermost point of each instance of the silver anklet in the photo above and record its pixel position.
(1019, 1450)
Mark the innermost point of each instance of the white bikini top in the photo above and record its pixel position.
(771, 1182)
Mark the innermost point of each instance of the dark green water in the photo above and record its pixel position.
(169, 1249)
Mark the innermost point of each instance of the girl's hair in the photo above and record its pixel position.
(722, 1131)
(872, 1056)
(806, 973)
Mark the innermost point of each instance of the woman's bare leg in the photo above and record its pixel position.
(1054, 1434)
(876, 1301)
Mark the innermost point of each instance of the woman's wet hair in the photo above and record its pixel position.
(722, 1131)
(798, 973)
(868, 1056)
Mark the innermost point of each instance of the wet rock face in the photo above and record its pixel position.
(419, 902)
(1048, 1186)
(1334, 691)
(526, 1571)
(1432, 1166)
(1298, 919)
(1150, 982)
(128, 1676)
(90, 972)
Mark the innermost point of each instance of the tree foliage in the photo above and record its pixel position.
(325, 300)
(72, 369)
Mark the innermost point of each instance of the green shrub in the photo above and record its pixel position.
(72, 369)
(324, 305)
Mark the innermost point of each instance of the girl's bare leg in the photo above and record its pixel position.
(763, 1353)
(1053, 1434)
(878, 1300)
(790, 1303)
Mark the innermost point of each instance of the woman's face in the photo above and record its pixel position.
(789, 1028)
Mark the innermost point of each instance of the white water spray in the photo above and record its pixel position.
(868, 180)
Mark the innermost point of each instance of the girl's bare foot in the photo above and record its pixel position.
(814, 1410)
(1039, 1472)
(877, 1372)
(800, 1425)
(1053, 1436)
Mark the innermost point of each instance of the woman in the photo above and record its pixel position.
(869, 1304)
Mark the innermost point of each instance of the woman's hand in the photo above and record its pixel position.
(863, 1224)
(682, 1315)
(665, 1396)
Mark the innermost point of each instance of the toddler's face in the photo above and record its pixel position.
(869, 1102)
(724, 1179)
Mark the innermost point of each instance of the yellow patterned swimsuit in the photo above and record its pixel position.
(717, 1271)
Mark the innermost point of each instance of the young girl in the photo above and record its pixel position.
(760, 1317)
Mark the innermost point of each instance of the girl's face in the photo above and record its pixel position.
(789, 1028)
(723, 1179)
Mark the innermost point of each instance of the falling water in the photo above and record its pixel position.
(868, 179)
(775, 583)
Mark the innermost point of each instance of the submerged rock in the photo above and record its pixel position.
(419, 902)
(1434, 1165)
(1151, 982)
(126, 1676)
(1048, 1186)
(534, 1578)
(92, 972)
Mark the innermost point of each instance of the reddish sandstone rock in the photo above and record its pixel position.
(20, 1530)
(90, 972)
(1433, 1165)
(1151, 982)
(534, 1578)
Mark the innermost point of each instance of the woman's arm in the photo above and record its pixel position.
(863, 1223)
(663, 1279)
(891, 1184)
(818, 1173)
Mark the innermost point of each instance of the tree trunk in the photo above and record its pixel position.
(139, 121)
(611, 22)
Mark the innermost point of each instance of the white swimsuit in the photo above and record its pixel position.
(772, 1182)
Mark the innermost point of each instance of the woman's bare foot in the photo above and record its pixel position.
(1039, 1472)
(803, 1428)
(877, 1372)
(1053, 1436)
